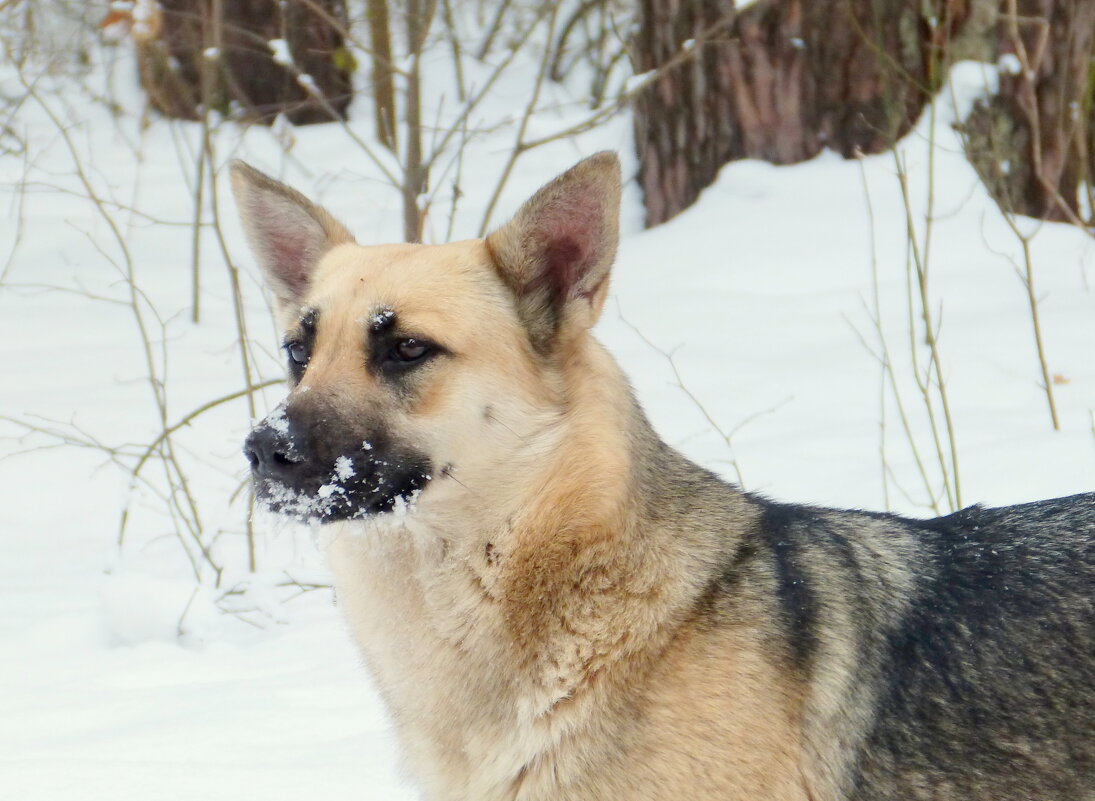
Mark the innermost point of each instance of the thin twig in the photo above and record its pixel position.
(727, 436)
(519, 144)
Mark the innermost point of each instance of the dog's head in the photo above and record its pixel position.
(418, 366)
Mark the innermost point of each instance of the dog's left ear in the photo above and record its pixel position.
(287, 232)
(556, 253)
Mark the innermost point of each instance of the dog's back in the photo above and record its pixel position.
(944, 659)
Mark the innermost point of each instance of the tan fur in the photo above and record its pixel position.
(529, 629)
(553, 596)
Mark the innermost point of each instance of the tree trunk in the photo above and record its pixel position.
(1033, 143)
(779, 81)
(307, 80)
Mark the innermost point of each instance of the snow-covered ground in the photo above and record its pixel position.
(119, 677)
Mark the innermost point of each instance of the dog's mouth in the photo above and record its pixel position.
(295, 477)
(314, 467)
(344, 493)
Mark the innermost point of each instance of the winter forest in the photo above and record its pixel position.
(856, 269)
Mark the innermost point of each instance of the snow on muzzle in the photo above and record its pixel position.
(314, 468)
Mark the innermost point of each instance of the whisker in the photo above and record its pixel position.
(494, 418)
(446, 471)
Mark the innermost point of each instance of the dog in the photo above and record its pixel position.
(556, 605)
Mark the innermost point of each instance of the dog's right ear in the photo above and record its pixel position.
(287, 232)
(556, 252)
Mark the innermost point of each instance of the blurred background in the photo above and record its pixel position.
(858, 247)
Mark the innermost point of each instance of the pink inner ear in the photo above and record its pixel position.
(562, 258)
(290, 257)
(571, 234)
(289, 239)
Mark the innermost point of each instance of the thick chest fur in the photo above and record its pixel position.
(467, 714)
(482, 717)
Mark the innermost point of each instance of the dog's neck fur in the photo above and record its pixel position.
(530, 609)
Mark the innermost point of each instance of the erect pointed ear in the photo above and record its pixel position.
(555, 254)
(287, 233)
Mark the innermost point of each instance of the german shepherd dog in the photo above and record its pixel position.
(557, 605)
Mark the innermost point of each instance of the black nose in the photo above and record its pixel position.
(271, 453)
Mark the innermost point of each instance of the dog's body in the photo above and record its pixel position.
(556, 605)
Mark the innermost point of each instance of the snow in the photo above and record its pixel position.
(344, 468)
(280, 50)
(124, 679)
(277, 419)
(145, 15)
(381, 318)
(1009, 64)
(308, 82)
(144, 10)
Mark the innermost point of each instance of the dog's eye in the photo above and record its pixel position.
(298, 353)
(409, 351)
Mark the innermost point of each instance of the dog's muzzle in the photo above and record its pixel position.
(303, 476)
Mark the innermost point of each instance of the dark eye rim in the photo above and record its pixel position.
(289, 348)
(425, 349)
